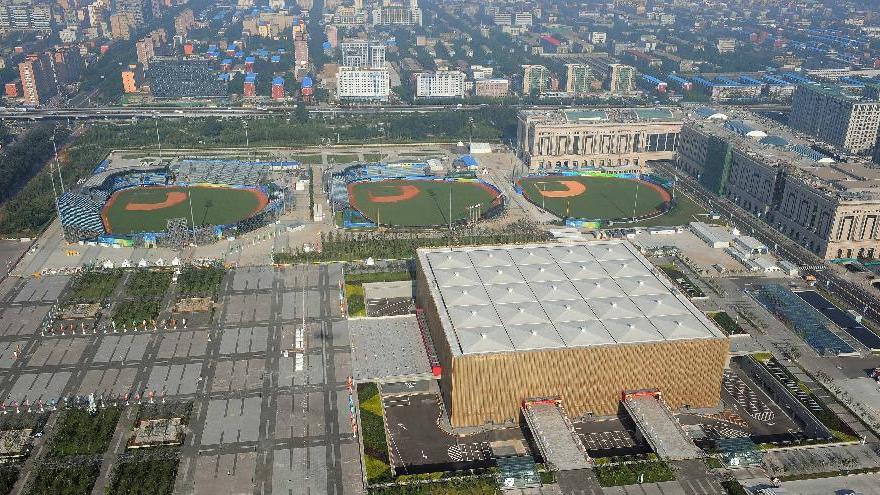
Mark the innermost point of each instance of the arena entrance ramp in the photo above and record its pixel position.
(659, 427)
(554, 436)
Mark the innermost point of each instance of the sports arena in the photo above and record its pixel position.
(598, 199)
(582, 322)
(410, 195)
(171, 204)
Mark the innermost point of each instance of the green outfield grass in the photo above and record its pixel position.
(429, 207)
(605, 198)
(210, 206)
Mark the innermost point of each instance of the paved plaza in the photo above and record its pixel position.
(269, 410)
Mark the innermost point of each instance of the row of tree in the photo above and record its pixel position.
(351, 246)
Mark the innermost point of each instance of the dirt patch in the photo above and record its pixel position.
(664, 194)
(405, 192)
(171, 198)
(572, 188)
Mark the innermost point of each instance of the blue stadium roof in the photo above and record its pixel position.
(468, 161)
(774, 141)
(741, 128)
(806, 151)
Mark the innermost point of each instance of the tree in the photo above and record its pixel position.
(301, 113)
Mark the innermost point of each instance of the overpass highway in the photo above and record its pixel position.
(125, 113)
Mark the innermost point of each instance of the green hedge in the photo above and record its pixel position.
(630, 474)
(80, 433)
(373, 434)
(8, 477)
(200, 281)
(147, 283)
(73, 480)
(153, 477)
(728, 324)
(471, 486)
(92, 287)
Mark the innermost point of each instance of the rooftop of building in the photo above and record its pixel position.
(586, 116)
(778, 145)
(838, 92)
(494, 299)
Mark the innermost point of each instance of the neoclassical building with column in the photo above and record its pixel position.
(620, 139)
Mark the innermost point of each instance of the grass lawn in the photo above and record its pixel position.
(73, 480)
(80, 433)
(342, 158)
(683, 212)
(210, 206)
(373, 432)
(193, 281)
(605, 198)
(309, 159)
(154, 477)
(728, 324)
(92, 287)
(131, 313)
(429, 207)
(148, 283)
(372, 157)
(354, 294)
(630, 474)
(363, 278)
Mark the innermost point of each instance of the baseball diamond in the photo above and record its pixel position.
(420, 203)
(595, 197)
(147, 209)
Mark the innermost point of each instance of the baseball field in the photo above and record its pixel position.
(147, 209)
(419, 203)
(594, 197)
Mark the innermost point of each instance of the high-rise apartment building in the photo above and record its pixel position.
(536, 79)
(362, 54)
(129, 80)
(37, 79)
(184, 22)
(396, 15)
(145, 50)
(25, 15)
(363, 84)
(122, 26)
(301, 50)
(141, 11)
(491, 87)
(846, 121)
(440, 84)
(622, 78)
(578, 78)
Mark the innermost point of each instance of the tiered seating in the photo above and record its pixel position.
(80, 212)
(221, 172)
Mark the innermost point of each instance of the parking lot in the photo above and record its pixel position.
(269, 410)
(747, 412)
(417, 444)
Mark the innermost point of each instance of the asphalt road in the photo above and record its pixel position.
(116, 113)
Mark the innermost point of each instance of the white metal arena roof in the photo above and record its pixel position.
(551, 296)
